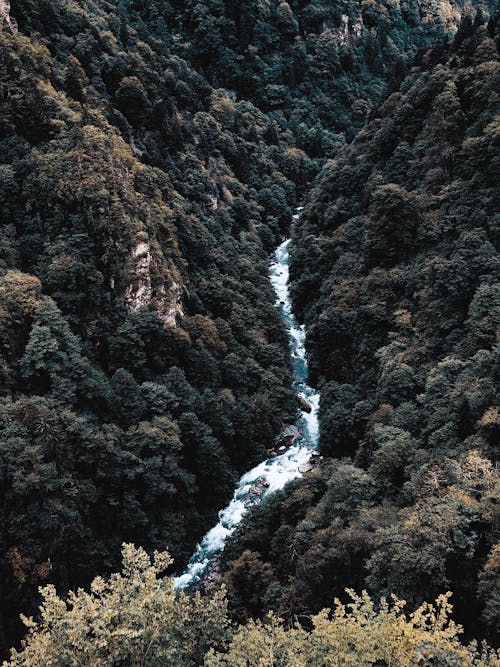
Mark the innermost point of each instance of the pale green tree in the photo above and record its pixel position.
(134, 618)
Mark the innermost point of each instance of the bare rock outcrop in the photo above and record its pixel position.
(6, 18)
(259, 488)
(143, 292)
(139, 293)
(169, 308)
(288, 437)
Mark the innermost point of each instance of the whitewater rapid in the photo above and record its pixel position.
(278, 470)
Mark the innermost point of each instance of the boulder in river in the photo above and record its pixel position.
(305, 467)
(259, 488)
(288, 436)
(304, 405)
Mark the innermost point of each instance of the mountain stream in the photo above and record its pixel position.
(275, 472)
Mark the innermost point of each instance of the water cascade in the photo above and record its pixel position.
(274, 473)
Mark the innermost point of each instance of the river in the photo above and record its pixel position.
(275, 472)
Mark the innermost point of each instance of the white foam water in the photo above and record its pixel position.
(275, 472)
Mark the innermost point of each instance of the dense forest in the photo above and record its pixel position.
(396, 271)
(152, 155)
(135, 619)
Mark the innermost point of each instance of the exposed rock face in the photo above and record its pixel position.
(213, 202)
(6, 18)
(169, 308)
(141, 292)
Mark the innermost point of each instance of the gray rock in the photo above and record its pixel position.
(288, 436)
(259, 488)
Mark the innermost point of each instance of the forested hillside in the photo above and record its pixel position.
(151, 156)
(134, 618)
(143, 364)
(396, 271)
(316, 68)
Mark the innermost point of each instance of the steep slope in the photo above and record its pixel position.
(396, 269)
(135, 618)
(316, 68)
(143, 364)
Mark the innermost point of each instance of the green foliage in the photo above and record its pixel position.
(134, 618)
(395, 273)
(357, 634)
(152, 156)
(141, 202)
(52, 361)
(247, 581)
(489, 588)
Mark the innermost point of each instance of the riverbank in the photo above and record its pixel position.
(292, 459)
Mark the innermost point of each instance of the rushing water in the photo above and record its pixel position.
(276, 471)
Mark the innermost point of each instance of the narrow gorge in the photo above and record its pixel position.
(180, 483)
(295, 450)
